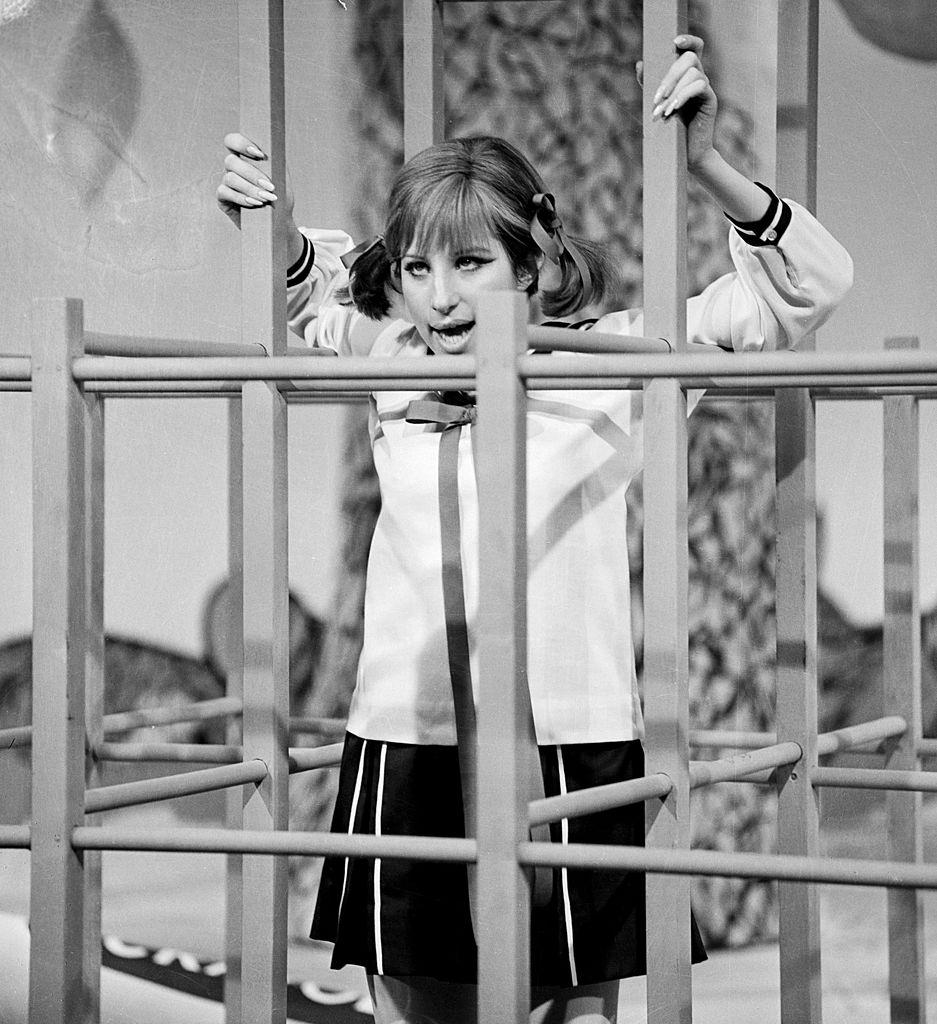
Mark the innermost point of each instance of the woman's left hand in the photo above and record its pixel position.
(685, 91)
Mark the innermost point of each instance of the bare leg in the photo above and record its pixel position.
(428, 1001)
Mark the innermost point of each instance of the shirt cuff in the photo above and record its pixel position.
(768, 229)
(299, 271)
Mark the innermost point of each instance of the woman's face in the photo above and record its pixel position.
(441, 290)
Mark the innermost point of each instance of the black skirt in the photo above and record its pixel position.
(405, 918)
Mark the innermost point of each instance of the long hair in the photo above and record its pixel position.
(455, 195)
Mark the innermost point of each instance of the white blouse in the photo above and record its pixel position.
(583, 450)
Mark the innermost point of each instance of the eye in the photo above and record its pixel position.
(471, 261)
(414, 267)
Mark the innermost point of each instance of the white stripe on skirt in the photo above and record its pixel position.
(564, 876)
(351, 819)
(378, 946)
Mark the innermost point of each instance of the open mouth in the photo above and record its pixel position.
(454, 337)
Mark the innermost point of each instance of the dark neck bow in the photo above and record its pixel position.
(448, 409)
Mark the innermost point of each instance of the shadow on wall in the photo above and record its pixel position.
(94, 105)
(143, 675)
(904, 27)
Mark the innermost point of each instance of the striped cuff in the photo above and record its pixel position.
(768, 229)
(299, 271)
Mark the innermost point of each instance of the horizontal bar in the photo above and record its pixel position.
(700, 367)
(172, 714)
(14, 837)
(142, 718)
(304, 759)
(598, 798)
(181, 753)
(730, 769)
(834, 871)
(856, 735)
(562, 339)
(16, 737)
(729, 739)
(313, 844)
(875, 778)
(129, 345)
(207, 780)
(15, 368)
(317, 726)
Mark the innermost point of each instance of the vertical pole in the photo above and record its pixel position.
(795, 454)
(423, 71)
(666, 670)
(56, 993)
(234, 735)
(902, 692)
(504, 722)
(265, 586)
(266, 696)
(94, 686)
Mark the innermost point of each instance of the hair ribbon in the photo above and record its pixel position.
(360, 249)
(546, 229)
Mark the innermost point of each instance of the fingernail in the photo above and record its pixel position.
(263, 183)
(655, 113)
(254, 151)
(658, 96)
(668, 110)
(269, 196)
(251, 201)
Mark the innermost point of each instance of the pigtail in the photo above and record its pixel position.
(584, 277)
(370, 275)
(584, 267)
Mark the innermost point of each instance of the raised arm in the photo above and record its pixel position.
(790, 273)
(245, 186)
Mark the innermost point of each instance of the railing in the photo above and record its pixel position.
(70, 377)
(65, 401)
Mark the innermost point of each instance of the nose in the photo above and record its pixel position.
(445, 295)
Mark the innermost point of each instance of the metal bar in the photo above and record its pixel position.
(15, 368)
(280, 844)
(900, 780)
(598, 798)
(14, 837)
(702, 366)
(558, 339)
(200, 711)
(234, 690)
(266, 687)
(179, 753)
(505, 720)
(856, 735)
(719, 864)
(317, 726)
(56, 982)
(795, 452)
(305, 759)
(724, 738)
(666, 669)
(207, 780)
(97, 344)
(901, 685)
(732, 769)
(839, 387)
(424, 113)
(94, 685)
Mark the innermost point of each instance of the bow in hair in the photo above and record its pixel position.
(546, 229)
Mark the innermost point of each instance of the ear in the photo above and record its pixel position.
(527, 274)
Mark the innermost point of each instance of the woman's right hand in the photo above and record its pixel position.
(244, 185)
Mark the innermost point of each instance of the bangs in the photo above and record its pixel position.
(457, 214)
